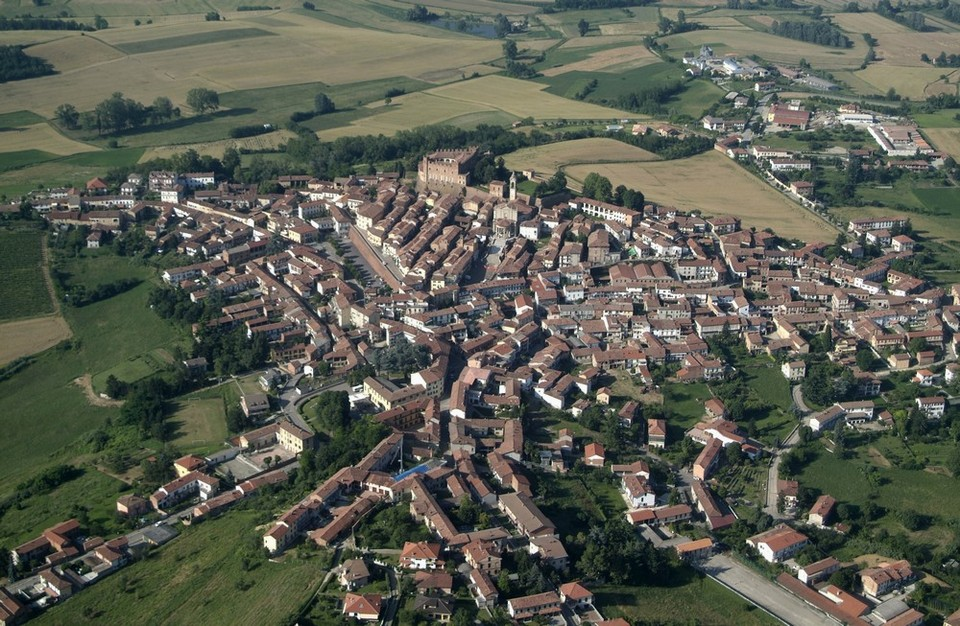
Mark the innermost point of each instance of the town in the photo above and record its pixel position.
(457, 318)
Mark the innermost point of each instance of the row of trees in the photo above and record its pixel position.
(15, 64)
(812, 32)
(910, 19)
(942, 60)
(29, 22)
(600, 188)
(118, 113)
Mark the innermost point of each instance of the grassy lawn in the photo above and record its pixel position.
(198, 578)
(683, 403)
(574, 503)
(23, 291)
(42, 404)
(764, 377)
(94, 490)
(134, 368)
(695, 600)
(895, 489)
(200, 421)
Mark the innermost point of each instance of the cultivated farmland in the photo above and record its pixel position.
(41, 137)
(715, 184)
(621, 58)
(23, 290)
(507, 98)
(945, 139)
(549, 158)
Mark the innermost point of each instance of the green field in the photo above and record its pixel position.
(133, 369)
(684, 403)
(199, 578)
(41, 404)
(94, 491)
(697, 600)
(195, 39)
(23, 290)
(940, 199)
(199, 420)
(17, 119)
(895, 489)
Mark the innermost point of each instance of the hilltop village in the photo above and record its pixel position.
(515, 305)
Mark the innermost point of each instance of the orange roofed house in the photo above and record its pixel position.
(365, 608)
(420, 555)
(778, 543)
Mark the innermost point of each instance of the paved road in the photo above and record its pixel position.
(291, 401)
(797, 392)
(773, 474)
(764, 593)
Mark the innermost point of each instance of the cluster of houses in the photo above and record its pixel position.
(536, 299)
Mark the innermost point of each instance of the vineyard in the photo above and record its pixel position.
(23, 292)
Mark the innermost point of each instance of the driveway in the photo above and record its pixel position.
(764, 593)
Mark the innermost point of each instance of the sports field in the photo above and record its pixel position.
(547, 159)
(716, 185)
(199, 422)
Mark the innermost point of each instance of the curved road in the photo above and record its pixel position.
(773, 474)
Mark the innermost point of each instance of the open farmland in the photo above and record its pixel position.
(23, 290)
(551, 157)
(945, 139)
(312, 50)
(199, 578)
(715, 184)
(911, 82)
(869, 23)
(903, 49)
(75, 51)
(621, 58)
(25, 337)
(505, 98)
(769, 47)
(41, 137)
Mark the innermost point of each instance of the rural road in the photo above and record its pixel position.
(764, 593)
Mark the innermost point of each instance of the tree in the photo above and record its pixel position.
(67, 115)
(99, 23)
(322, 104)
(162, 109)
(597, 187)
(309, 6)
(510, 50)
(201, 100)
(212, 16)
(583, 27)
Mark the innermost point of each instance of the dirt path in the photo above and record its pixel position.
(45, 255)
(86, 384)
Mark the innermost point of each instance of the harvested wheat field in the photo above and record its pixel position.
(904, 49)
(41, 137)
(26, 337)
(628, 57)
(71, 53)
(241, 54)
(715, 184)
(945, 139)
(911, 82)
(868, 23)
(549, 158)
